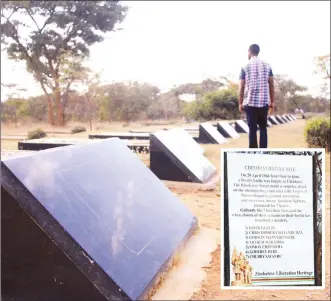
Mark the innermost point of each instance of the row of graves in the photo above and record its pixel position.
(88, 220)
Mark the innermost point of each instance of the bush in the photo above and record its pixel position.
(317, 132)
(214, 105)
(78, 129)
(36, 134)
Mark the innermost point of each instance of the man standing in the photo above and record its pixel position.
(256, 96)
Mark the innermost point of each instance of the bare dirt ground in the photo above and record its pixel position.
(204, 202)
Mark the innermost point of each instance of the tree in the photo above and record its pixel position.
(322, 64)
(58, 31)
(91, 83)
(286, 89)
(15, 106)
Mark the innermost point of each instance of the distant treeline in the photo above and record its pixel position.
(215, 99)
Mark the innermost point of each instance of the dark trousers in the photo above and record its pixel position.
(257, 116)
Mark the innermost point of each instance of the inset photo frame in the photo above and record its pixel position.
(273, 219)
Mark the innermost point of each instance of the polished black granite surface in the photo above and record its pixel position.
(209, 134)
(173, 159)
(103, 208)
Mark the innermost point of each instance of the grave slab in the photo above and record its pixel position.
(273, 120)
(290, 117)
(280, 119)
(287, 117)
(284, 118)
(47, 143)
(94, 223)
(187, 141)
(241, 127)
(120, 135)
(172, 160)
(209, 134)
(139, 146)
(227, 130)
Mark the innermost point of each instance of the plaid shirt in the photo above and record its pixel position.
(256, 75)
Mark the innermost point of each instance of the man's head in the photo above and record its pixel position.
(253, 50)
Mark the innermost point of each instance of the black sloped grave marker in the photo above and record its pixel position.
(209, 134)
(47, 143)
(172, 159)
(289, 117)
(86, 223)
(280, 119)
(186, 140)
(273, 120)
(120, 135)
(284, 118)
(227, 130)
(241, 127)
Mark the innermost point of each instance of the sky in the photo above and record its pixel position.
(168, 43)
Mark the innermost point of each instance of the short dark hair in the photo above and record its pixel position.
(254, 49)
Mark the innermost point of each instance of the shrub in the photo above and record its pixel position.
(78, 129)
(317, 132)
(37, 134)
(214, 105)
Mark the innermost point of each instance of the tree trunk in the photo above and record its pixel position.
(15, 120)
(49, 102)
(58, 101)
(59, 108)
(50, 112)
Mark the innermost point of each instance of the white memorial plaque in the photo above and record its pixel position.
(270, 217)
(228, 129)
